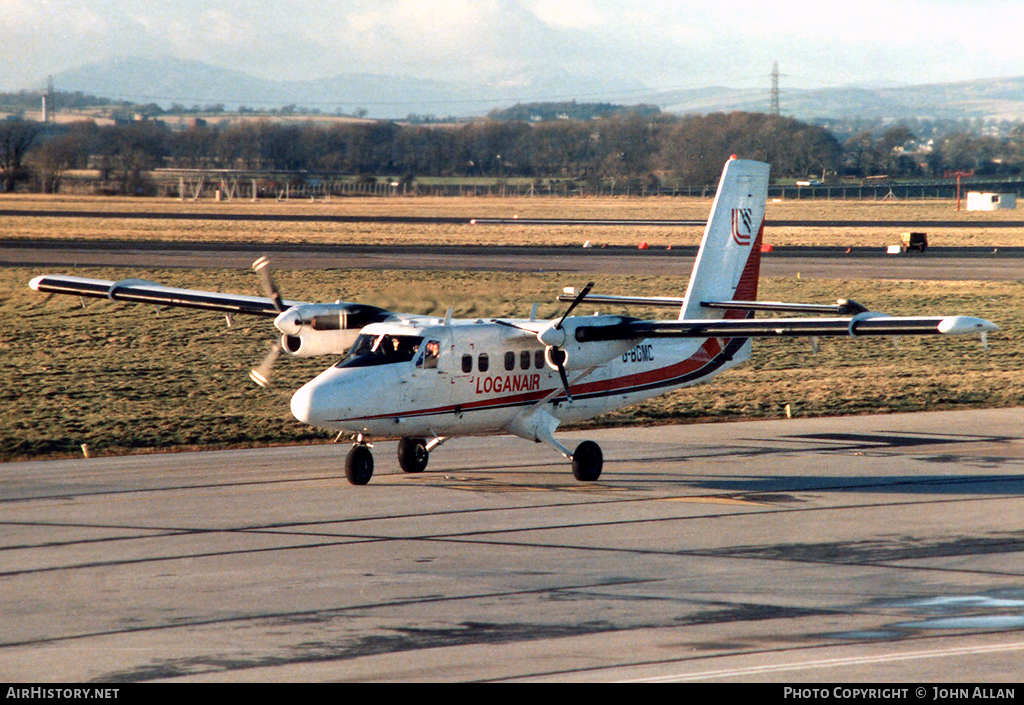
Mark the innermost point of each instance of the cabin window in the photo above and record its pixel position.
(538, 359)
(510, 361)
(467, 363)
(483, 362)
(524, 360)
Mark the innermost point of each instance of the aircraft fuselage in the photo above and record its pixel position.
(485, 376)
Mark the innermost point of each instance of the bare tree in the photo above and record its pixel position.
(16, 136)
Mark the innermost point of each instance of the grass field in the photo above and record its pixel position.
(972, 229)
(126, 378)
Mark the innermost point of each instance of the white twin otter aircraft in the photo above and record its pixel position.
(425, 379)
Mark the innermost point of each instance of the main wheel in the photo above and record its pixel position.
(359, 465)
(413, 454)
(587, 461)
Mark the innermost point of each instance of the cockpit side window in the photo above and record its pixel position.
(381, 349)
(431, 353)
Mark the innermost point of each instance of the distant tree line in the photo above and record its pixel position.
(21, 101)
(632, 149)
(570, 110)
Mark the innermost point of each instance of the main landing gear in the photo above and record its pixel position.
(414, 454)
(587, 461)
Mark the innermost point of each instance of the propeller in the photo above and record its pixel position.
(554, 341)
(262, 267)
(261, 373)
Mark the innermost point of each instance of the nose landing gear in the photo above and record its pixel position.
(359, 464)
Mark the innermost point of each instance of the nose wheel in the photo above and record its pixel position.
(359, 464)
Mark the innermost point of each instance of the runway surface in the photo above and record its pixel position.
(981, 264)
(469, 220)
(870, 549)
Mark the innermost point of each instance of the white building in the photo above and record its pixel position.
(977, 201)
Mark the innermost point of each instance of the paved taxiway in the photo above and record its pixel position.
(961, 263)
(875, 548)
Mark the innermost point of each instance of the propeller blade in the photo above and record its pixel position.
(262, 267)
(557, 356)
(565, 381)
(509, 324)
(575, 302)
(261, 373)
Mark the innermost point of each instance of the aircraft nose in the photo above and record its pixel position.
(320, 401)
(302, 403)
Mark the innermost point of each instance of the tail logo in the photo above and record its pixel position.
(742, 226)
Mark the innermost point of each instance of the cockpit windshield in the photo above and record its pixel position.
(381, 349)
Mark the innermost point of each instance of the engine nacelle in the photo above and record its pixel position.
(312, 343)
(324, 329)
(580, 355)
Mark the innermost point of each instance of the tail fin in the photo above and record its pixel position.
(729, 261)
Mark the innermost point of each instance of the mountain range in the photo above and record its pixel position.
(167, 81)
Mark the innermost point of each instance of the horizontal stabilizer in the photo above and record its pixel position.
(673, 301)
(842, 307)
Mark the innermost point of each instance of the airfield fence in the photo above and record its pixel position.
(229, 185)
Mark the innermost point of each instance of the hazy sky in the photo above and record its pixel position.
(656, 43)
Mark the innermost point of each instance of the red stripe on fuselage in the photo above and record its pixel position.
(617, 385)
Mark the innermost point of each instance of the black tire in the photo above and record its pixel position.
(359, 465)
(587, 461)
(413, 454)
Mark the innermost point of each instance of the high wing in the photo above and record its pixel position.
(851, 319)
(866, 323)
(308, 329)
(140, 291)
(291, 317)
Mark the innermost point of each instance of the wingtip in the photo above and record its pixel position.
(963, 325)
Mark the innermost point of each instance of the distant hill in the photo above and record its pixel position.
(167, 81)
(999, 99)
